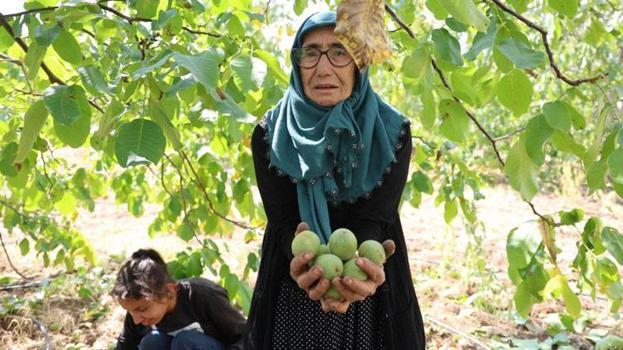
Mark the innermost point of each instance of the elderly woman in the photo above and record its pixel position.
(331, 154)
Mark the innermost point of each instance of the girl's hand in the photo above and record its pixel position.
(310, 281)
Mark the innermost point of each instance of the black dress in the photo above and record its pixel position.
(281, 314)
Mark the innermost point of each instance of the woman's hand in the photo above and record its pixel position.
(310, 281)
(355, 290)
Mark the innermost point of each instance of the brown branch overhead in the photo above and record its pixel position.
(51, 76)
(550, 54)
(469, 114)
(131, 20)
(118, 13)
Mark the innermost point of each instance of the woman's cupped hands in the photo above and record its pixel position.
(311, 280)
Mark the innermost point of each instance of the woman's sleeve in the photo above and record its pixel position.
(278, 195)
(370, 218)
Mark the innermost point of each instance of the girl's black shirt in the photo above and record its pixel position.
(202, 305)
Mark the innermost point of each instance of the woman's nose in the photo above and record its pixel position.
(324, 66)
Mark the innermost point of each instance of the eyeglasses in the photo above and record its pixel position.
(308, 57)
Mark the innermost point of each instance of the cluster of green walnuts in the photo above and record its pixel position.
(337, 258)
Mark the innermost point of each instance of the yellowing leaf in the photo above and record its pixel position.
(361, 29)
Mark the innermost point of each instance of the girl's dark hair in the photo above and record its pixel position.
(144, 275)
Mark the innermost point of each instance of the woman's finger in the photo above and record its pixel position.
(317, 291)
(375, 272)
(353, 291)
(301, 227)
(298, 265)
(306, 280)
(390, 248)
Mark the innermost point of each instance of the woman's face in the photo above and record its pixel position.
(326, 84)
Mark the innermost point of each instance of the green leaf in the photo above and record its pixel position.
(467, 12)
(521, 170)
(437, 8)
(273, 65)
(24, 246)
(299, 6)
(567, 8)
(5, 39)
(610, 342)
(235, 27)
(520, 53)
(140, 141)
(145, 8)
(203, 67)
(94, 81)
(571, 217)
(613, 241)
(455, 122)
(74, 134)
(34, 58)
(482, 41)
(596, 174)
(429, 110)
(615, 164)
(521, 245)
(414, 65)
(67, 204)
(463, 85)
(450, 210)
(519, 5)
(66, 104)
(523, 300)
(564, 142)
(185, 232)
(7, 160)
(422, 182)
(33, 122)
(68, 48)
(537, 133)
(596, 33)
(572, 302)
(515, 92)
(159, 115)
(242, 68)
(45, 35)
(447, 48)
(560, 115)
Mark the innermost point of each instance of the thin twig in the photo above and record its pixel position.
(455, 331)
(184, 205)
(550, 54)
(8, 257)
(197, 181)
(194, 31)
(511, 134)
(266, 12)
(131, 20)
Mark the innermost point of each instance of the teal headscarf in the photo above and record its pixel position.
(334, 153)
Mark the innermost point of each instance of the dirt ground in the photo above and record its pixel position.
(464, 292)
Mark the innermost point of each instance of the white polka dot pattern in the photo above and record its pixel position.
(301, 324)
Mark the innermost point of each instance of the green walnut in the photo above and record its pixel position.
(306, 241)
(331, 266)
(373, 251)
(343, 243)
(352, 270)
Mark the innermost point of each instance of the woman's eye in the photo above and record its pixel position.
(310, 53)
(340, 52)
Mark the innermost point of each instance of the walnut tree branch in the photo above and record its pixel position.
(469, 114)
(550, 54)
(52, 77)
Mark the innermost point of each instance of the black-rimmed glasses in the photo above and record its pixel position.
(308, 57)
